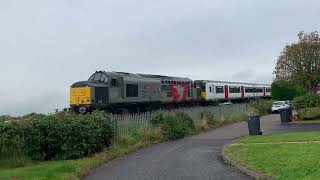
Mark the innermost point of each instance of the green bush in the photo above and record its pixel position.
(285, 90)
(174, 125)
(10, 139)
(67, 137)
(262, 107)
(309, 113)
(306, 101)
(11, 145)
(157, 119)
(185, 119)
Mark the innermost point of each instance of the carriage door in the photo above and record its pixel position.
(264, 91)
(226, 92)
(212, 93)
(116, 90)
(242, 91)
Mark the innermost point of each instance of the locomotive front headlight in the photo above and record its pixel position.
(82, 110)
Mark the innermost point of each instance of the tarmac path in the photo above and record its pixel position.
(193, 158)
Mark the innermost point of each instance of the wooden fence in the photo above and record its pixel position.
(127, 123)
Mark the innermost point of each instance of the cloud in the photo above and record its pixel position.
(47, 45)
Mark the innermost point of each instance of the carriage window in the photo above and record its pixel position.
(132, 90)
(268, 90)
(210, 89)
(234, 89)
(219, 89)
(248, 90)
(114, 82)
(259, 90)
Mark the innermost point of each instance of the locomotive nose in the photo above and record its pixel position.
(80, 94)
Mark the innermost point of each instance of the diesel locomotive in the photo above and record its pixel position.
(122, 91)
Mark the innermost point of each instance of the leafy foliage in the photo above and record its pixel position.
(299, 62)
(67, 137)
(174, 125)
(262, 107)
(11, 141)
(306, 101)
(11, 145)
(309, 113)
(285, 90)
(64, 136)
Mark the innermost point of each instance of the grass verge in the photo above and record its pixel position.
(73, 169)
(281, 160)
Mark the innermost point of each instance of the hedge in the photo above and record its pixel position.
(285, 90)
(309, 113)
(55, 137)
(68, 137)
(11, 139)
(306, 101)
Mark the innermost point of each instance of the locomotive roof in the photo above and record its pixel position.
(148, 76)
(230, 82)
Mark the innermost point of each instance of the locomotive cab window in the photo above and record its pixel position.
(106, 80)
(114, 82)
(103, 78)
(95, 77)
(132, 90)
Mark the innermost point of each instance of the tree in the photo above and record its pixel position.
(300, 62)
(285, 90)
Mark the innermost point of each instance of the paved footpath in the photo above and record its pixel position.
(196, 157)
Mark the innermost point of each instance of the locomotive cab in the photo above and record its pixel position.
(88, 95)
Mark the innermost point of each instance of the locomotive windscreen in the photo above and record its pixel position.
(99, 76)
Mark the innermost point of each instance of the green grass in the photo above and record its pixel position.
(280, 161)
(73, 169)
(282, 137)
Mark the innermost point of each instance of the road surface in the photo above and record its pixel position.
(193, 158)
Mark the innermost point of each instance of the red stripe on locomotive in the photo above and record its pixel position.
(179, 92)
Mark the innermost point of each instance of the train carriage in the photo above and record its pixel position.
(226, 91)
(118, 91)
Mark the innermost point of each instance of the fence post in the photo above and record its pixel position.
(115, 121)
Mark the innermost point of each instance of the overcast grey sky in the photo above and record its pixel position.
(47, 45)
